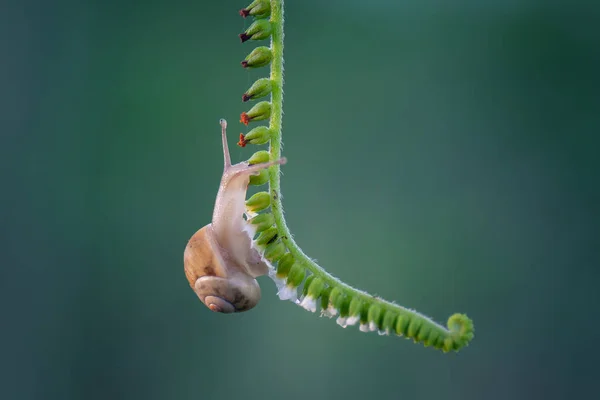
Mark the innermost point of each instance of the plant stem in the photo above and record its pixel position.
(275, 125)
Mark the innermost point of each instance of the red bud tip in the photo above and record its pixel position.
(244, 37)
(244, 119)
(245, 97)
(244, 13)
(242, 142)
(245, 64)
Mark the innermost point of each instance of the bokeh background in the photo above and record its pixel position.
(441, 154)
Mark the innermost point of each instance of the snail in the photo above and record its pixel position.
(219, 260)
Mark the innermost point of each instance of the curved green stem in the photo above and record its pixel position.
(407, 322)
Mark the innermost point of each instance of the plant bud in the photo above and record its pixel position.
(258, 135)
(316, 287)
(413, 328)
(296, 275)
(274, 251)
(259, 157)
(260, 88)
(258, 202)
(259, 112)
(335, 297)
(325, 299)
(307, 284)
(374, 317)
(402, 325)
(267, 236)
(260, 179)
(257, 9)
(259, 57)
(284, 265)
(389, 322)
(259, 30)
(262, 221)
(355, 307)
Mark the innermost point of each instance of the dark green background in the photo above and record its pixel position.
(441, 154)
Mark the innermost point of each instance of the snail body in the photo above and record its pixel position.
(220, 262)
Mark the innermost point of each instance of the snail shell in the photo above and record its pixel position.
(219, 260)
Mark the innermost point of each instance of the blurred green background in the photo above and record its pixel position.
(441, 154)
